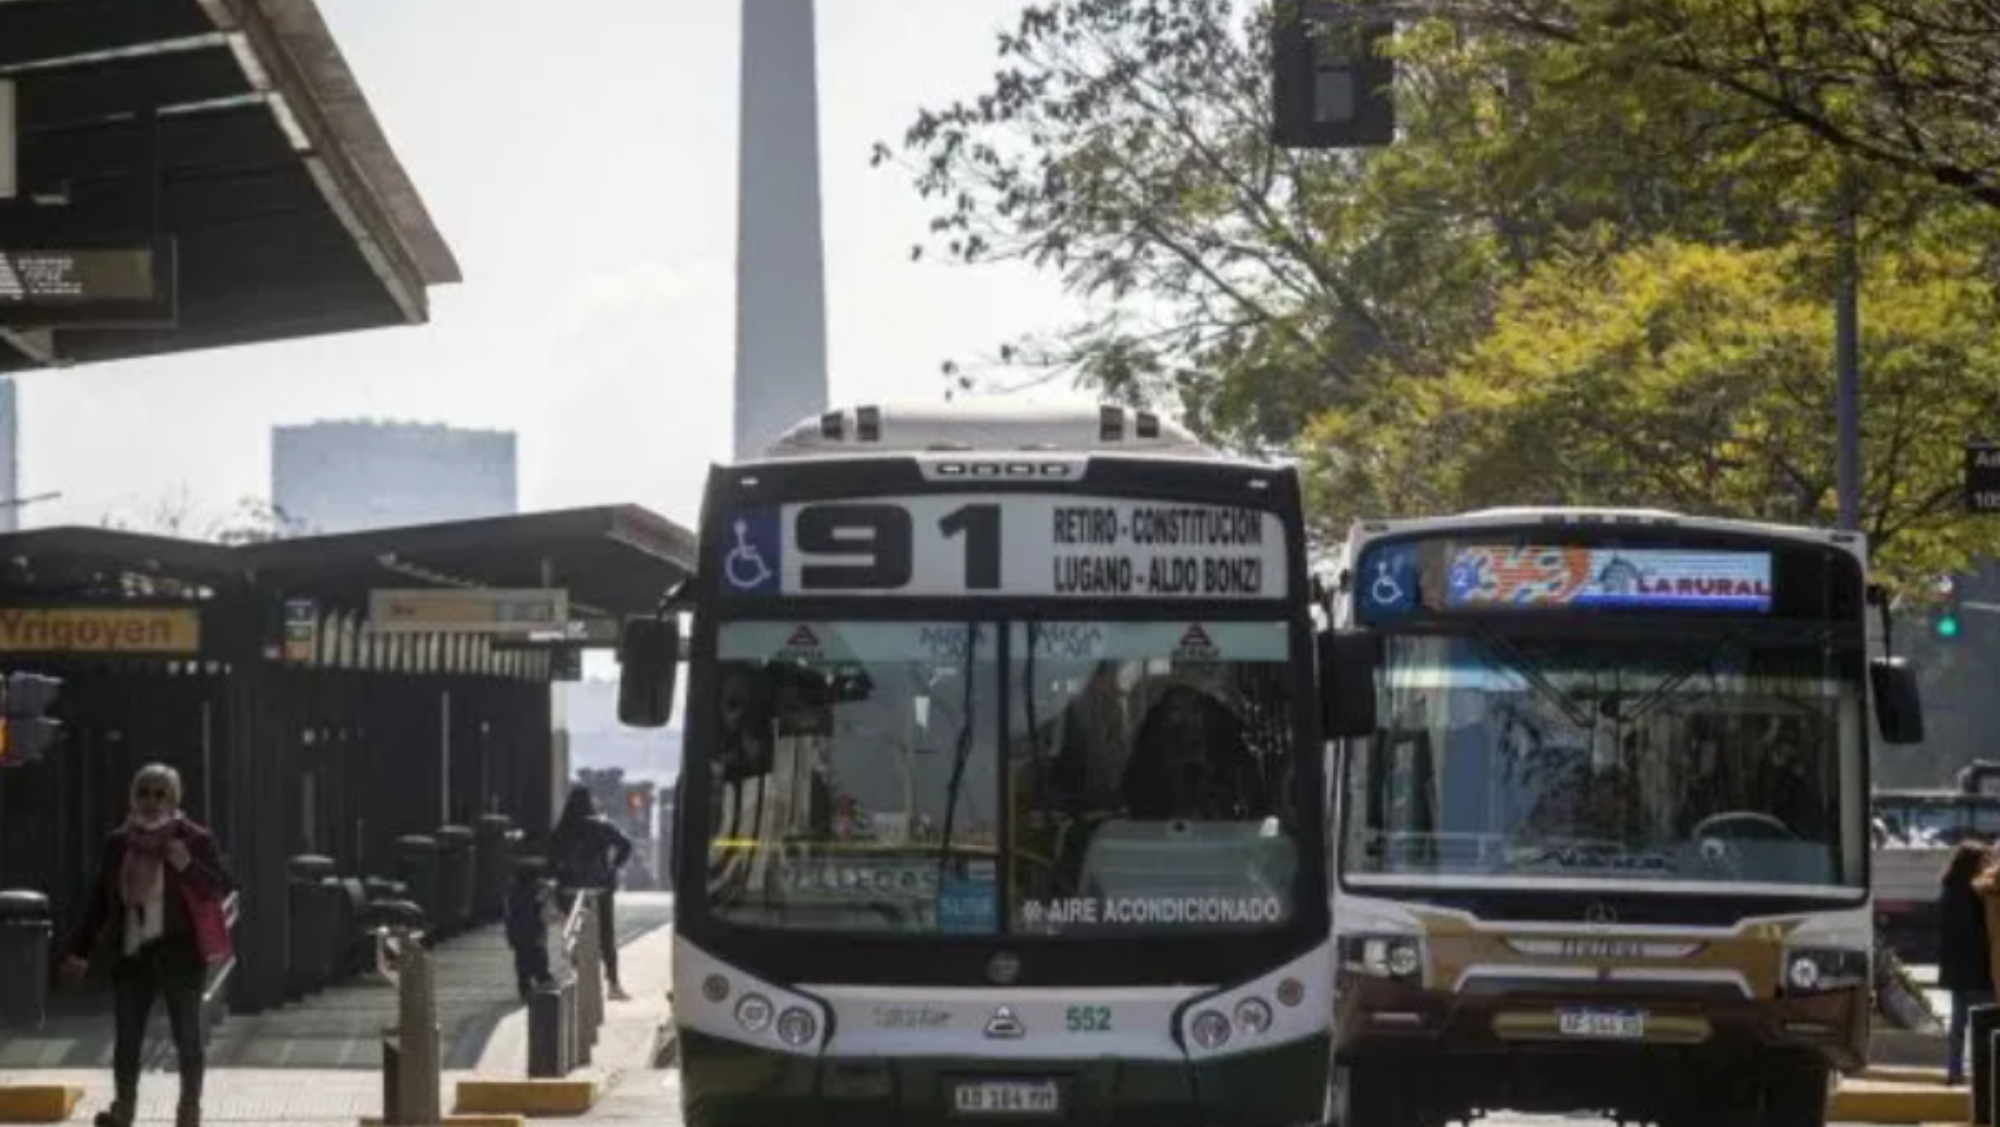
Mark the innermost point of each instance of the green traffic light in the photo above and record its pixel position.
(1947, 627)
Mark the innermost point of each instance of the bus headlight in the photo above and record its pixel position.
(796, 1027)
(753, 1012)
(1209, 1029)
(1384, 956)
(1811, 970)
(1253, 1015)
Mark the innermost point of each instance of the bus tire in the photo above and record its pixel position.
(1370, 1098)
(1796, 1096)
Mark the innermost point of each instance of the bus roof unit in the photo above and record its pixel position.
(911, 428)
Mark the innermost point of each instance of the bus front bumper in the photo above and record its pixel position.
(728, 1084)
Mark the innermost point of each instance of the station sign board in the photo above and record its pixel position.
(523, 611)
(1982, 477)
(578, 633)
(133, 285)
(137, 631)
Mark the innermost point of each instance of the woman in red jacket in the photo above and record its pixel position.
(156, 907)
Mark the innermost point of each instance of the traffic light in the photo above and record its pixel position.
(1331, 87)
(26, 732)
(1946, 615)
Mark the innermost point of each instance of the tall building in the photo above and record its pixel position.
(780, 255)
(351, 476)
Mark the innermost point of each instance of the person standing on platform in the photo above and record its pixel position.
(588, 851)
(156, 910)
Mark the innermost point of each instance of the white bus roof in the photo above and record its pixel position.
(1558, 515)
(913, 428)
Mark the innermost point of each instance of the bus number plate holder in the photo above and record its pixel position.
(1007, 1097)
(1602, 1024)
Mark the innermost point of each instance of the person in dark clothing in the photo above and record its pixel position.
(156, 907)
(588, 852)
(1965, 964)
(531, 910)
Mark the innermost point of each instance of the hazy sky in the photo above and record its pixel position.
(580, 158)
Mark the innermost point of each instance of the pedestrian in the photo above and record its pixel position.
(531, 911)
(156, 910)
(1966, 954)
(588, 851)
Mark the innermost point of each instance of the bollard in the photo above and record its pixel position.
(411, 1079)
(590, 974)
(547, 1039)
(392, 1072)
(1982, 1023)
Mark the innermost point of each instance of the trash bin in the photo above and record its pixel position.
(492, 860)
(25, 927)
(417, 863)
(314, 930)
(455, 887)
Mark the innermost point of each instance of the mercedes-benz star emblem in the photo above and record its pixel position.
(1600, 913)
(1004, 969)
(1003, 1025)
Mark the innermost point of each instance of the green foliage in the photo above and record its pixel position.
(1692, 377)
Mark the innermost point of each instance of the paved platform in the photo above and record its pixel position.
(282, 1088)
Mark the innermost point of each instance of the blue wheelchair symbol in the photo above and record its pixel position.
(1389, 582)
(751, 561)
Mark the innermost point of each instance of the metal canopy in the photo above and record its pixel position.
(614, 560)
(235, 128)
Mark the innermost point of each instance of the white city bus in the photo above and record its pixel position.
(1003, 780)
(1607, 847)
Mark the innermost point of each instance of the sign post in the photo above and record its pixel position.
(10, 162)
(1982, 477)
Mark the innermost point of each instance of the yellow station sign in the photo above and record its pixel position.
(100, 630)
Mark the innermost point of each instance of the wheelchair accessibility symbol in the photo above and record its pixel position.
(750, 556)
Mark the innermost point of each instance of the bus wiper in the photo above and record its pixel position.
(1514, 659)
(1702, 664)
(960, 754)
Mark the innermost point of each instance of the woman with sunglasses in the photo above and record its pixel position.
(162, 882)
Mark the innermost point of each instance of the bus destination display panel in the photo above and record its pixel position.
(1461, 577)
(1003, 545)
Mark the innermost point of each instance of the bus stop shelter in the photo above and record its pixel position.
(298, 724)
(190, 174)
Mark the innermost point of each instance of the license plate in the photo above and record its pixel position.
(1008, 1097)
(1621, 1025)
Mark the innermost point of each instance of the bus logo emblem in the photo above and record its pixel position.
(1004, 969)
(1003, 1025)
(1600, 913)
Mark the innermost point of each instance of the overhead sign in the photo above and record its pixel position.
(1003, 546)
(100, 630)
(88, 287)
(578, 633)
(474, 611)
(1982, 477)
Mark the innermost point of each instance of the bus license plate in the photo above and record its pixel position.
(1617, 1025)
(1008, 1097)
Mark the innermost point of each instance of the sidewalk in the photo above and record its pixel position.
(342, 1097)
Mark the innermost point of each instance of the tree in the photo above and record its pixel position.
(1904, 85)
(178, 514)
(1123, 146)
(1678, 375)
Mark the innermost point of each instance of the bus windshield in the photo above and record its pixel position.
(864, 777)
(1731, 759)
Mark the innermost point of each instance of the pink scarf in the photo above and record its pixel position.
(145, 847)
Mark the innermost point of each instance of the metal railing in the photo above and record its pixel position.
(564, 1016)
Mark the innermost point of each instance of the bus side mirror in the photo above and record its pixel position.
(1899, 706)
(649, 659)
(1347, 664)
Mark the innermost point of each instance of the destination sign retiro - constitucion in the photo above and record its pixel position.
(1001, 545)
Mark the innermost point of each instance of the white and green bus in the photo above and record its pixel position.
(1606, 846)
(1003, 789)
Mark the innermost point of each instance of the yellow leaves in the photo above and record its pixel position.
(1693, 377)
